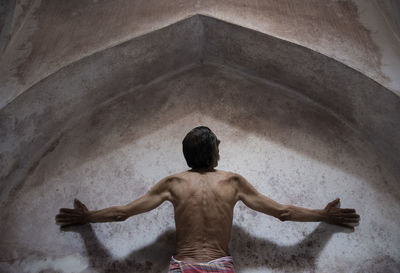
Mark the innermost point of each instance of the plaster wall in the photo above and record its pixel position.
(40, 37)
(97, 110)
(289, 147)
(82, 86)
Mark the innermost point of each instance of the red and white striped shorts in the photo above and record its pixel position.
(220, 265)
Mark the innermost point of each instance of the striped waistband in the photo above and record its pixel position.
(226, 259)
(223, 264)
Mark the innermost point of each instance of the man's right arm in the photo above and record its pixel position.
(81, 215)
(259, 202)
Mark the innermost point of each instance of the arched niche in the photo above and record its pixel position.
(34, 120)
(120, 114)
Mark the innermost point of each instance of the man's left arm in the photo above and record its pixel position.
(81, 214)
(331, 214)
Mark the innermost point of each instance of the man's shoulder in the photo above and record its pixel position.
(177, 177)
(174, 177)
(231, 177)
(230, 174)
(184, 175)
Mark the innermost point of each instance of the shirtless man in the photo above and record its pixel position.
(203, 200)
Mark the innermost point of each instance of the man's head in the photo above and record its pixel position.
(200, 148)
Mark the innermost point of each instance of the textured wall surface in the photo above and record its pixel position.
(39, 37)
(96, 97)
(289, 147)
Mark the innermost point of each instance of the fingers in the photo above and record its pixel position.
(69, 211)
(68, 219)
(352, 215)
(65, 216)
(346, 226)
(63, 224)
(345, 218)
(349, 215)
(66, 224)
(351, 220)
(65, 210)
(64, 221)
(347, 210)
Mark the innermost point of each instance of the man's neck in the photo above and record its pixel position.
(203, 170)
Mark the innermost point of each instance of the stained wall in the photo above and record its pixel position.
(39, 37)
(104, 127)
(290, 148)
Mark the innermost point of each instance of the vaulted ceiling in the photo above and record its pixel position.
(33, 121)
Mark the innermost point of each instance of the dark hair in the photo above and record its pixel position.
(200, 148)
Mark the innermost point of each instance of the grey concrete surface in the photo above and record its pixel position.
(291, 148)
(100, 115)
(78, 88)
(40, 37)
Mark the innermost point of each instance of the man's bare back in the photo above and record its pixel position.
(203, 205)
(204, 199)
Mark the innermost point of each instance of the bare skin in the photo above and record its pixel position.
(203, 202)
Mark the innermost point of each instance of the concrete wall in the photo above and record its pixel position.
(39, 37)
(289, 147)
(103, 125)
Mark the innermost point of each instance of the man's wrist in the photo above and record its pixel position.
(322, 215)
(88, 217)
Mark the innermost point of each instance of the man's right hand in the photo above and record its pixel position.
(77, 216)
(342, 217)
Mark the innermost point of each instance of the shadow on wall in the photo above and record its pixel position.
(264, 253)
(254, 252)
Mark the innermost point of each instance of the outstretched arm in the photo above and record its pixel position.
(81, 215)
(330, 214)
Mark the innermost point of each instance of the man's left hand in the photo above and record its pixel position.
(77, 216)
